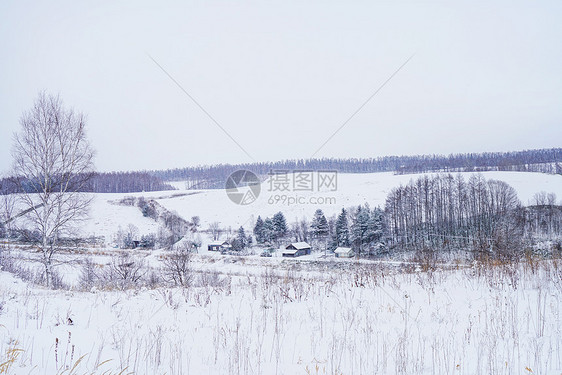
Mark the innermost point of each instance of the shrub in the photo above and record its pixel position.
(88, 275)
(176, 265)
(124, 272)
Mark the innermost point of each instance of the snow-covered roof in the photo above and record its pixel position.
(300, 245)
(342, 250)
(290, 252)
(218, 243)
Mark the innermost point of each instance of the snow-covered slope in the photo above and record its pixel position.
(352, 190)
(106, 217)
(214, 205)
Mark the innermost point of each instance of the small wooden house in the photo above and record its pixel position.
(296, 249)
(344, 252)
(218, 246)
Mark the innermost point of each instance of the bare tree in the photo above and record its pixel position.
(304, 227)
(176, 265)
(215, 230)
(194, 224)
(53, 162)
(7, 206)
(539, 199)
(551, 199)
(124, 270)
(445, 212)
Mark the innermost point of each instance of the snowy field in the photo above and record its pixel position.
(500, 319)
(311, 315)
(215, 206)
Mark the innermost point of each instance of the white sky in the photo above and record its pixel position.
(281, 76)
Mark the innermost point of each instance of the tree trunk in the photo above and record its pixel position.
(46, 262)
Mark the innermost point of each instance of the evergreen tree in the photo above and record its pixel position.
(341, 235)
(360, 228)
(268, 230)
(279, 225)
(241, 241)
(319, 225)
(377, 224)
(258, 230)
(376, 230)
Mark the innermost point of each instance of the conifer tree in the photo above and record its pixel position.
(341, 235)
(268, 230)
(279, 225)
(241, 241)
(319, 224)
(360, 228)
(258, 230)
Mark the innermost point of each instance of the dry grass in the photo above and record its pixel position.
(10, 358)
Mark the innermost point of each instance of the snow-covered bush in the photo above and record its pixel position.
(88, 274)
(176, 268)
(124, 271)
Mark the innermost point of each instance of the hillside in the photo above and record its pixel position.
(213, 205)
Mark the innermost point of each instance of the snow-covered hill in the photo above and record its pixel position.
(215, 206)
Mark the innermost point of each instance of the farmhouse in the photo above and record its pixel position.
(343, 252)
(296, 249)
(218, 246)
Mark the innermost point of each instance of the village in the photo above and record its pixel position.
(292, 250)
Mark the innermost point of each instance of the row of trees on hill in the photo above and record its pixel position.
(93, 182)
(543, 218)
(447, 211)
(125, 182)
(542, 160)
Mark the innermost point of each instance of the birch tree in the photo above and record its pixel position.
(53, 162)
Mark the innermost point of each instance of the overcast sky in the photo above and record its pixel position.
(281, 76)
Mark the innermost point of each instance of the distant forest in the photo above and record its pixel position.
(214, 176)
(110, 182)
(542, 160)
